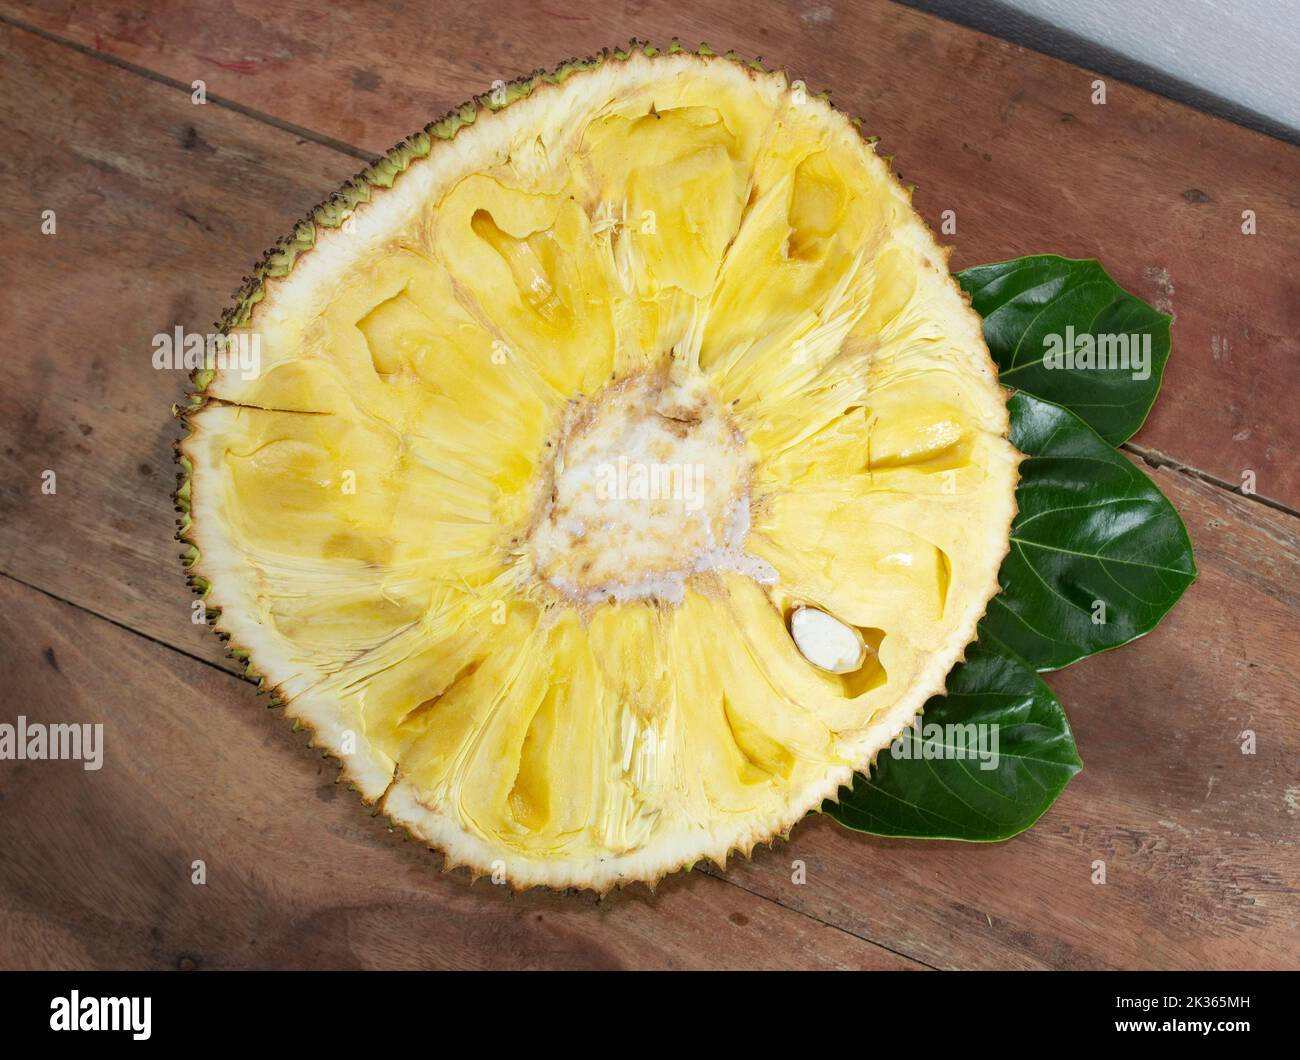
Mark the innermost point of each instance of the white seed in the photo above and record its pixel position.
(826, 642)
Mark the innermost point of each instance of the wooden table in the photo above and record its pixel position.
(161, 205)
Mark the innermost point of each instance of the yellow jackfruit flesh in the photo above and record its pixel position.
(550, 440)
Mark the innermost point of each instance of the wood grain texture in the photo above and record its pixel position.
(161, 208)
(1007, 138)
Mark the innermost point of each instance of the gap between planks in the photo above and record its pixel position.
(1154, 458)
(1151, 457)
(171, 82)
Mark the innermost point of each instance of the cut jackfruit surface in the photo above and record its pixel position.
(588, 396)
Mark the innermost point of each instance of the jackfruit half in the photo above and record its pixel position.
(623, 470)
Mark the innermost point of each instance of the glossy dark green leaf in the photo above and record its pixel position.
(1113, 345)
(929, 784)
(1098, 555)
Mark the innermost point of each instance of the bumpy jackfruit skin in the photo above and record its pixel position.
(618, 743)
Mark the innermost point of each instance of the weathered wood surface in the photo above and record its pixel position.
(1007, 138)
(161, 207)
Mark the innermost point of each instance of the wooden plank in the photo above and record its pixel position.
(161, 207)
(1200, 841)
(195, 768)
(1007, 138)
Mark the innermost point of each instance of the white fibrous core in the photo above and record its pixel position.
(649, 484)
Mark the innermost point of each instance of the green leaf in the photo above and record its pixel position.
(1029, 307)
(1098, 555)
(955, 797)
